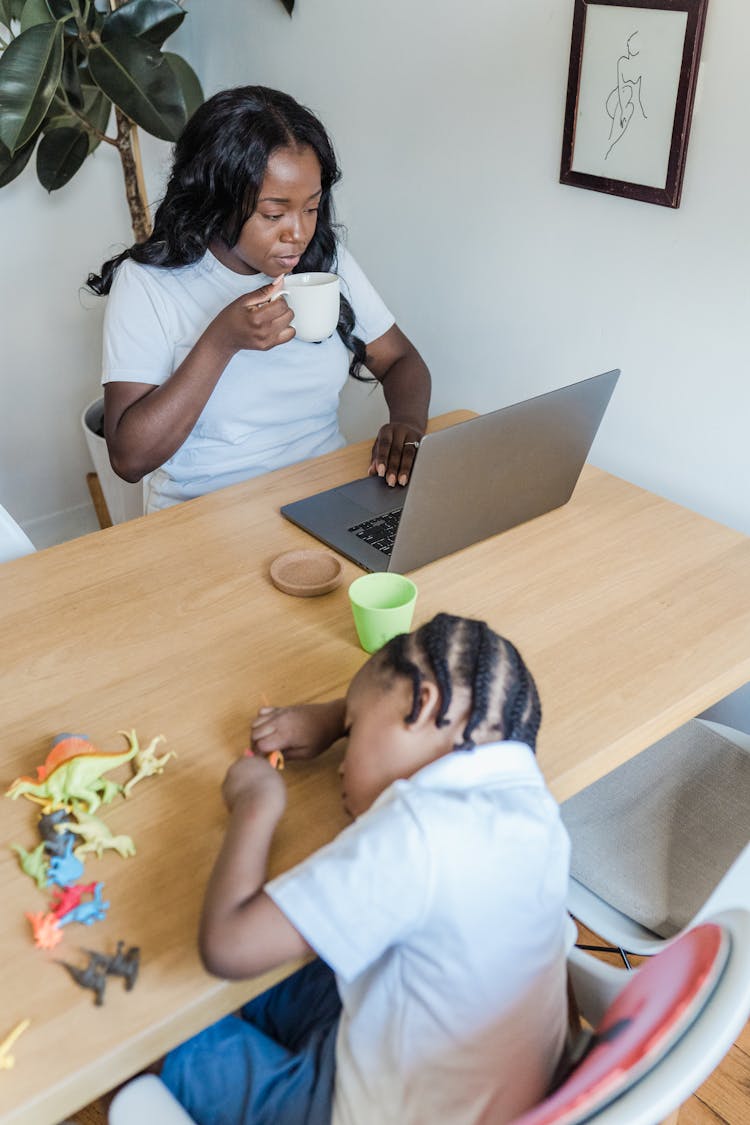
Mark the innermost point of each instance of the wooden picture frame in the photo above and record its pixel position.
(631, 87)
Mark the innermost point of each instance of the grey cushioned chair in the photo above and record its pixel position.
(663, 841)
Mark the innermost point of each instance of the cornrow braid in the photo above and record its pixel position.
(436, 641)
(463, 652)
(485, 648)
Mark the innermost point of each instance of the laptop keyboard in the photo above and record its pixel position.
(379, 532)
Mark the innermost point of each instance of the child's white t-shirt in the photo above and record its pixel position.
(442, 912)
(269, 408)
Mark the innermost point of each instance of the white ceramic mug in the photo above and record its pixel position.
(314, 300)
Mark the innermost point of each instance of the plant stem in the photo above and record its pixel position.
(132, 167)
(130, 156)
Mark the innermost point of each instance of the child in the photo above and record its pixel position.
(438, 915)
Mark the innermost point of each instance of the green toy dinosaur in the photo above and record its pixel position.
(33, 863)
(74, 780)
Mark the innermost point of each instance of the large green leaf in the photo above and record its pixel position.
(60, 154)
(152, 20)
(4, 13)
(12, 166)
(29, 73)
(138, 79)
(35, 12)
(189, 82)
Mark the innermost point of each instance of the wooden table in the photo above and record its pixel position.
(633, 614)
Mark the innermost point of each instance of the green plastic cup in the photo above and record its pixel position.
(383, 606)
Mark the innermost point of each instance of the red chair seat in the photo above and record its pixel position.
(653, 1010)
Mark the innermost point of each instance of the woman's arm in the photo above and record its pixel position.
(397, 364)
(242, 931)
(145, 425)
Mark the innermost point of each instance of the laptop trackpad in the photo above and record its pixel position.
(374, 494)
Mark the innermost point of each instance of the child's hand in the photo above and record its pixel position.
(303, 731)
(252, 780)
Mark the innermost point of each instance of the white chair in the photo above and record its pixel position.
(686, 1014)
(664, 841)
(147, 1101)
(14, 542)
(631, 1086)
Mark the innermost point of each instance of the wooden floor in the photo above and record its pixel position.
(724, 1099)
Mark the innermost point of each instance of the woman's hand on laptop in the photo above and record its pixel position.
(300, 732)
(394, 451)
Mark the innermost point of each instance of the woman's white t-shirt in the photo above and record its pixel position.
(268, 409)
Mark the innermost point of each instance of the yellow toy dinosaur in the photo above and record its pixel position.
(7, 1061)
(146, 762)
(95, 835)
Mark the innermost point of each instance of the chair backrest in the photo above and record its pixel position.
(13, 541)
(654, 1009)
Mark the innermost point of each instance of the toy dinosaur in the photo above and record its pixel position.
(7, 1061)
(64, 869)
(54, 831)
(66, 899)
(96, 836)
(119, 964)
(33, 863)
(87, 912)
(146, 762)
(47, 933)
(100, 966)
(77, 778)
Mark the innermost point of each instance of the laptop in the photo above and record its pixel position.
(469, 482)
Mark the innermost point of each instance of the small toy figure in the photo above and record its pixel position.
(146, 762)
(33, 863)
(87, 912)
(54, 831)
(275, 758)
(47, 933)
(7, 1061)
(122, 963)
(66, 899)
(72, 773)
(64, 869)
(92, 976)
(96, 836)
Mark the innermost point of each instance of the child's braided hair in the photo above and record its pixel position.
(464, 652)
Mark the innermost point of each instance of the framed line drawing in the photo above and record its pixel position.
(631, 87)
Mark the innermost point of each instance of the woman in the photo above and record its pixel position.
(204, 382)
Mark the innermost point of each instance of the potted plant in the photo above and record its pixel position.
(64, 66)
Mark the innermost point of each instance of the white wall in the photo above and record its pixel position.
(447, 119)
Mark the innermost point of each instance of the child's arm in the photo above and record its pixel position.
(242, 931)
(303, 731)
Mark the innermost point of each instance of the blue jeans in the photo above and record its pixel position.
(273, 1063)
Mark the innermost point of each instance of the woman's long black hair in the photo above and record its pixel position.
(218, 168)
